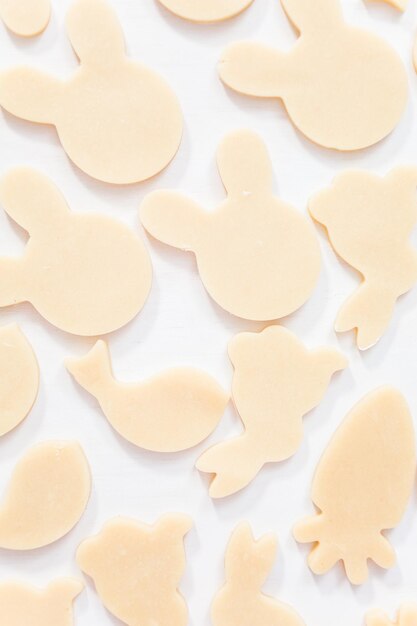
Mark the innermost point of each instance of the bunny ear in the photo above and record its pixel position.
(30, 198)
(240, 542)
(244, 164)
(95, 32)
(308, 15)
(30, 94)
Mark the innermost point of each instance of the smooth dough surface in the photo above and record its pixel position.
(117, 120)
(369, 221)
(19, 377)
(206, 10)
(401, 5)
(137, 568)
(46, 496)
(343, 87)
(171, 411)
(87, 274)
(241, 601)
(257, 257)
(26, 18)
(24, 605)
(362, 486)
(407, 616)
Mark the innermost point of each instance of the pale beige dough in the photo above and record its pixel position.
(24, 605)
(169, 412)
(206, 10)
(276, 382)
(401, 5)
(241, 601)
(117, 120)
(87, 274)
(19, 378)
(342, 86)
(369, 220)
(137, 568)
(25, 17)
(257, 257)
(46, 496)
(362, 486)
(407, 616)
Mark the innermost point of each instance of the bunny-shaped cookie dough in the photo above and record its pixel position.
(276, 382)
(24, 605)
(137, 568)
(369, 220)
(343, 87)
(407, 616)
(401, 5)
(206, 10)
(116, 119)
(257, 257)
(85, 273)
(26, 18)
(362, 486)
(241, 601)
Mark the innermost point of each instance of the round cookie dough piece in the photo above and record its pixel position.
(26, 18)
(206, 10)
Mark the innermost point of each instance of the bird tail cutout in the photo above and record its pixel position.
(11, 281)
(234, 463)
(92, 371)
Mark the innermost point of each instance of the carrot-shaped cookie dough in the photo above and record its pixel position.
(24, 605)
(172, 411)
(26, 18)
(362, 486)
(206, 10)
(241, 601)
(257, 257)
(407, 616)
(276, 382)
(19, 378)
(137, 568)
(46, 497)
(87, 274)
(116, 119)
(369, 220)
(342, 86)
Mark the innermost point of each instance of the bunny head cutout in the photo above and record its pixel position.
(85, 273)
(407, 616)
(25, 17)
(343, 87)
(257, 257)
(206, 10)
(117, 120)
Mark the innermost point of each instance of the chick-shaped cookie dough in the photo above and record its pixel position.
(362, 486)
(21, 604)
(87, 274)
(407, 616)
(169, 412)
(241, 601)
(19, 378)
(137, 568)
(117, 120)
(26, 18)
(206, 10)
(369, 220)
(46, 496)
(343, 87)
(276, 382)
(257, 257)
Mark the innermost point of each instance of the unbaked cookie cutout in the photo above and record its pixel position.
(401, 5)
(19, 378)
(172, 411)
(136, 569)
(206, 11)
(117, 120)
(258, 257)
(343, 87)
(407, 616)
(369, 220)
(362, 486)
(87, 274)
(25, 18)
(46, 496)
(21, 604)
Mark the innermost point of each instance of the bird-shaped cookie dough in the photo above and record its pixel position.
(276, 382)
(206, 11)
(26, 18)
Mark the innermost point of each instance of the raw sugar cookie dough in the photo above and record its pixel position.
(276, 382)
(241, 601)
(401, 5)
(258, 257)
(169, 412)
(407, 616)
(343, 87)
(206, 10)
(46, 496)
(369, 221)
(26, 18)
(137, 568)
(52, 606)
(355, 507)
(87, 274)
(19, 378)
(117, 120)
